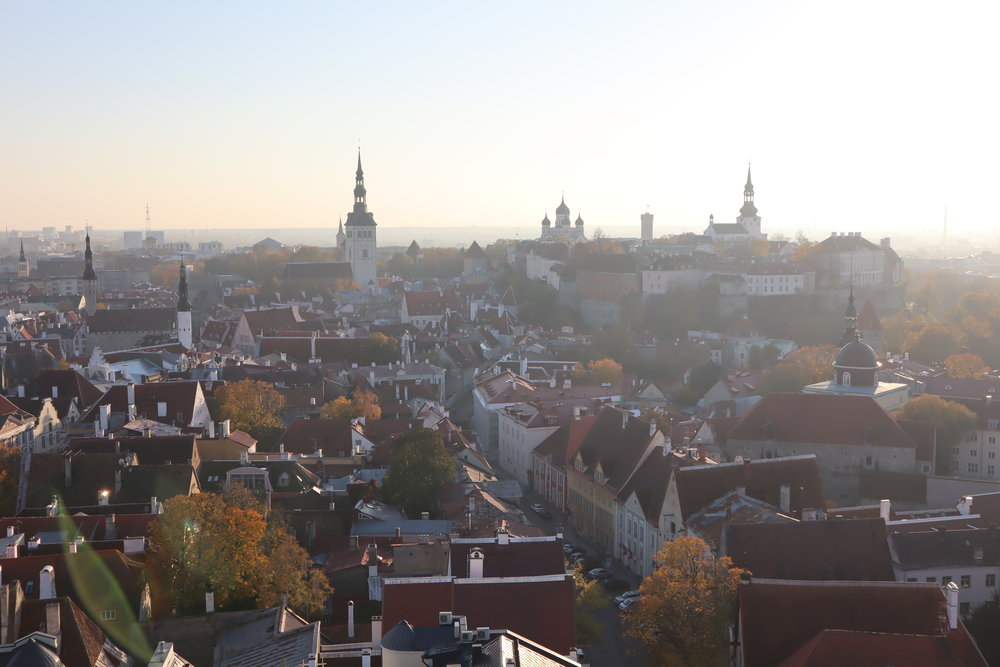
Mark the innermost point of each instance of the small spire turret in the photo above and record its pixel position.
(183, 305)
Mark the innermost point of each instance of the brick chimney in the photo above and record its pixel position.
(52, 623)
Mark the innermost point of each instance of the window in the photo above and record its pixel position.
(868, 460)
(993, 440)
(109, 614)
(973, 467)
(945, 581)
(991, 580)
(991, 470)
(911, 578)
(973, 453)
(931, 580)
(954, 450)
(966, 580)
(846, 379)
(283, 479)
(954, 466)
(991, 455)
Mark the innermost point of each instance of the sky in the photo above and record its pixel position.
(856, 116)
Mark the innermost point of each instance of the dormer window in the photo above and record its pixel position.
(284, 479)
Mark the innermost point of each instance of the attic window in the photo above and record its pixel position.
(109, 615)
(284, 479)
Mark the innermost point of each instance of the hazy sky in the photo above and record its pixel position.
(869, 116)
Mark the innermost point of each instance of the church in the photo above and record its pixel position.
(563, 231)
(747, 225)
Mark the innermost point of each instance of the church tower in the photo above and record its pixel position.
(183, 310)
(89, 279)
(360, 229)
(748, 218)
(340, 233)
(23, 269)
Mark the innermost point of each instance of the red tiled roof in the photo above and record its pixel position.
(563, 443)
(821, 419)
(180, 397)
(430, 303)
(616, 446)
(517, 559)
(777, 618)
(834, 648)
(271, 319)
(697, 486)
(112, 320)
(837, 549)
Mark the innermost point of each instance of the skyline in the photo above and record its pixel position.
(235, 116)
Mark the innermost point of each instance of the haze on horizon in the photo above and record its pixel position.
(857, 116)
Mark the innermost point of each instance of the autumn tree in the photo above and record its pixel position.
(953, 421)
(420, 466)
(966, 365)
(208, 542)
(685, 605)
(601, 371)
(806, 365)
(934, 343)
(361, 404)
(10, 475)
(590, 598)
(381, 349)
(253, 406)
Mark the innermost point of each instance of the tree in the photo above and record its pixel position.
(805, 365)
(420, 466)
(983, 627)
(362, 404)
(601, 371)
(590, 597)
(226, 544)
(953, 421)
(10, 475)
(253, 406)
(685, 605)
(933, 344)
(966, 365)
(381, 349)
(201, 545)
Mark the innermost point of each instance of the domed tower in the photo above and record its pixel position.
(562, 214)
(856, 364)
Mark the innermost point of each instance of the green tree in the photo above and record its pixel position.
(953, 421)
(590, 597)
(983, 626)
(805, 365)
(685, 605)
(253, 406)
(420, 466)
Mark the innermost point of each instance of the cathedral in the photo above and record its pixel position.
(359, 242)
(747, 225)
(563, 231)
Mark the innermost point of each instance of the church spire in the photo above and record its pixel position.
(850, 321)
(22, 258)
(183, 305)
(88, 258)
(749, 210)
(359, 188)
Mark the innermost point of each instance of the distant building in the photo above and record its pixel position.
(563, 231)
(647, 226)
(361, 244)
(747, 225)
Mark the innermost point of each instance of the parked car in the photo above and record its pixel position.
(541, 511)
(627, 603)
(600, 573)
(625, 596)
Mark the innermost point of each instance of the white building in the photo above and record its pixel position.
(360, 243)
(563, 231)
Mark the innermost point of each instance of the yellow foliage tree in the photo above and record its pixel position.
(685, 605)
(601, 371)
(252, 406)
(966, 365)
(362, 404)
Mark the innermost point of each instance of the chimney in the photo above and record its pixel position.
(103, 495)
(55, 391)
(209, 602)
(366, 657)
(425, 516)
(130, 393)
(161, 408)
(476, 563)
(110, 527)
(68, 467)
(20, 391)
(885, 509)
(213, 375)
(785, 498)
(154, 505)
(118, 481)
(376, 630)
(72, 547)
(964, 506)
(10, 531)
(105, 413)
(350, 619)
(951, 592)
(52, 625)
(372, 560)
(47, 583)
(224, 428)
(12, 551)
(503, 537)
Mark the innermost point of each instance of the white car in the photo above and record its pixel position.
(625, 596)
(627, 603)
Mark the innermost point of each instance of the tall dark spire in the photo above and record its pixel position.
(748, 210)
(850, 321)
(22, 258)
(183, 305)
(88, 257)
(359, 188)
